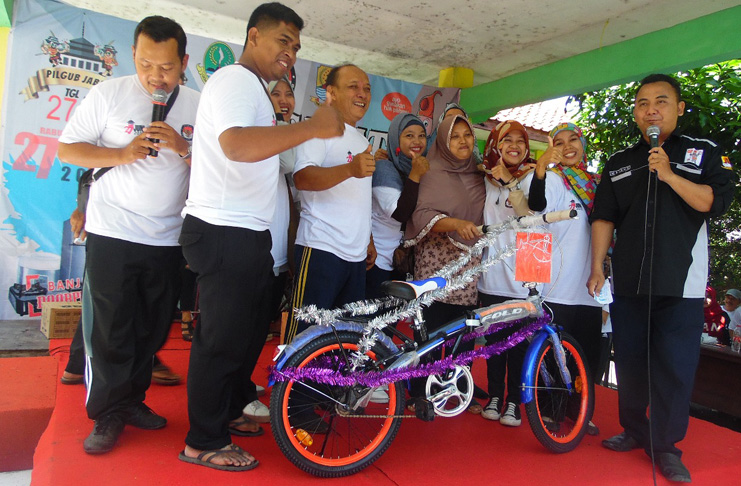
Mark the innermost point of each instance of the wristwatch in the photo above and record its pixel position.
(188, 153)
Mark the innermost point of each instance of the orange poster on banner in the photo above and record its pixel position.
(533, 260)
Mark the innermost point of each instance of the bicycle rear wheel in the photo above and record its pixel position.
(312, 425)
(558, 416)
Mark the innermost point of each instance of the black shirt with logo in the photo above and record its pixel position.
(653, 221)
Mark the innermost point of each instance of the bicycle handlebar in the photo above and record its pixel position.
(536, 219)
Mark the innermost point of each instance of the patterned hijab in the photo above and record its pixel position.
(493, 150)
(576, 178)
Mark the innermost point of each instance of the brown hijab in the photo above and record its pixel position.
(452, 188)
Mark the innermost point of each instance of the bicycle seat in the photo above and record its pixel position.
(413, 289)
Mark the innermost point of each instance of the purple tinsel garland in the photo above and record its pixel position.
(328, 370)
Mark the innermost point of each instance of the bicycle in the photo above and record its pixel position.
(325, 410)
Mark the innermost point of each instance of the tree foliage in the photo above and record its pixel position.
(713, 110)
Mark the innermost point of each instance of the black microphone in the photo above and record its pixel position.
(159, 105)
(653, 133)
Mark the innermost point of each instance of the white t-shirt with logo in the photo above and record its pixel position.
(138, 202)
(225, 192)
(499, 279)
(336, 220)
(572, 247)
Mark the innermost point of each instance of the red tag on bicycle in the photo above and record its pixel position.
(533, 260)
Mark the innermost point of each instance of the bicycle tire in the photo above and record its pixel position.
(559, 418)
(351, 443)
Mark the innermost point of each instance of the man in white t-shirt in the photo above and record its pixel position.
(731, 306)
(334, 244)
(133, 222)
(225, 237)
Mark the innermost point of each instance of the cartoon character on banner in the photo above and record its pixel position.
(52, 47)
(426, 111)
(107, 55)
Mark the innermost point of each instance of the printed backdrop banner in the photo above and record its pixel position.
(56, 54)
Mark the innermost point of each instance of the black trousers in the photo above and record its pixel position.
(276, 287)
(507, 364)
(670, 351)
(133, 289)
(234, 268)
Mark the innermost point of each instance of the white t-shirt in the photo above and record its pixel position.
(282, 216)
(336, 220)
(572, 247)
(734, 316)
(386, 230)
(138, 202)
(499, 279)
(224, 192)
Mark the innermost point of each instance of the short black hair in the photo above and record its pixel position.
(659, 78)
(161, 29)
(334, 73)
(274, 13)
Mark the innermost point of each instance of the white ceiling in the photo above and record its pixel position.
(413, 40)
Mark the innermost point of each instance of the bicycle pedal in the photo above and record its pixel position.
(424, 410)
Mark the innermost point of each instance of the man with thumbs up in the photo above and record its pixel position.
(334, 245)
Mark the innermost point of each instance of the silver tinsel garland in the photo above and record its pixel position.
(407, 309)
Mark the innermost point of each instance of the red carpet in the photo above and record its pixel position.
(27, 394)
(462, 450)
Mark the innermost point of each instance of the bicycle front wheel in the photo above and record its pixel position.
(559, 416)
(313, 424)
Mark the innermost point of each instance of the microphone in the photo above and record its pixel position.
(159, 105)
(653, 133)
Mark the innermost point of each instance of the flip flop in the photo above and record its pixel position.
(244, 433)
(200, 461)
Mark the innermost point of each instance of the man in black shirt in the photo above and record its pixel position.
(658, 201)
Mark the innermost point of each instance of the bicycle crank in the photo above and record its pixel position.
(451, 392)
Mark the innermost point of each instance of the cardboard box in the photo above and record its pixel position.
(59, 319)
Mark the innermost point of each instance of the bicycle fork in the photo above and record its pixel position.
(529, 366)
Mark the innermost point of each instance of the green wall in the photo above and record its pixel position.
(6, 13)
(713, 38)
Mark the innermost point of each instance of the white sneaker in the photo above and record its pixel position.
(380, 395)
(491, 410)
(260, 390)
(511, 415)
(257, 411)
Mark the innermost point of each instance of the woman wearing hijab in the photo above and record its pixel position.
(444, 223)
(395, 191)
(508, 166)
(453, 109)
(569, 185)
